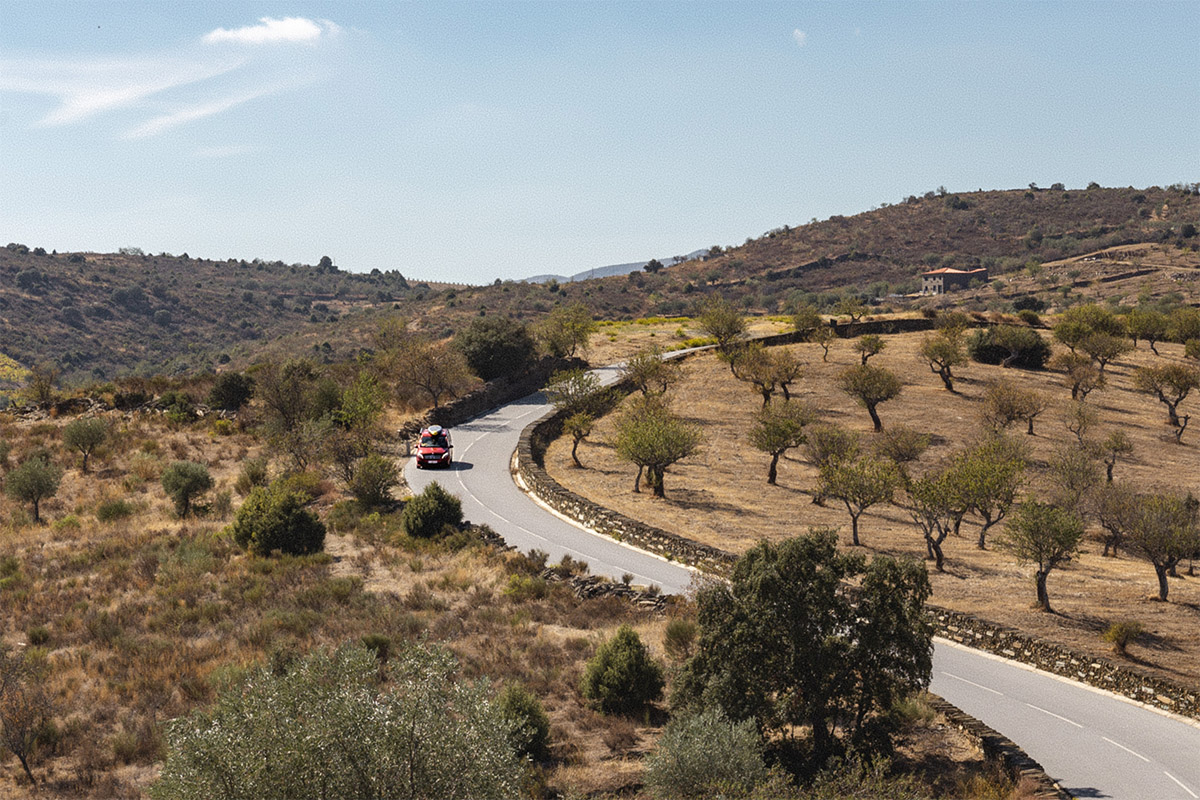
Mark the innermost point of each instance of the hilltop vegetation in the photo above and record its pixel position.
(98, 316)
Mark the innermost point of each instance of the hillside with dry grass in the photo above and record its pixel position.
(720, 495)
(96, 316)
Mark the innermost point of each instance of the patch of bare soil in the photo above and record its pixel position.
(720, 495)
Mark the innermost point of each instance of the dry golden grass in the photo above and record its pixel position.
(720, 496)
(143, 618)
(617, 341)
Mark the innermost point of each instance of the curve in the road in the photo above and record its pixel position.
(1096, 744)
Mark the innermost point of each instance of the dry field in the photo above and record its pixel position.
(137, 620)
(720, 496)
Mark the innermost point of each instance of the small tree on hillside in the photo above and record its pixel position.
(1163, 530)
(184, 481)
(850, 305)
(231, 391)
(1046, 536)
(1074, 477)
(870, 386)
(1081, 374)
(650, 373)
(653, 438)
(860, 483)
(719, 320)
(988, 477)
(754, 365)
(943, 352)
(25, 709)
(779, 427)
(567, 330)
(86, 436)
(577, 395)
(806, 320)
(869, 344)
(35, 480)
(1115, 445)
(1004, 402)
(1170, 383)
(902, 446)
(1148, 325)
(937, 508)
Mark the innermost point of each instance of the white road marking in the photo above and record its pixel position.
(973, 683)
(1056, 716)
(1181, 784)
(1126, 749)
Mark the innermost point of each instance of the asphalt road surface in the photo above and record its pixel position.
(1095, 744)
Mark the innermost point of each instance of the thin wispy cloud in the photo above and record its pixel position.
(271, 31)
(85, 89)
(192, 113)
(170, 90)
(224, 151)
(800, 36)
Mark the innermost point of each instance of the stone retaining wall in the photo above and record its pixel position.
(997, 747)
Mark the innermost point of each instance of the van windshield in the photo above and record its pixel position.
(433, 441)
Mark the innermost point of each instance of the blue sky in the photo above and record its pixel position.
(470, 141)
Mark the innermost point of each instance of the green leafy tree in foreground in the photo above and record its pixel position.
(184, 481)
(33, 481)
(1046, 536)
(86, 436)
(785, 644)
(567, 330)
(650, 373)
(231, 391)
(329, 728)
(719, 320)
(1163, 530)
(622, 678)
(495, 346)
(274, 518)
(528, 721)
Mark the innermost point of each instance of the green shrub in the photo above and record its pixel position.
(85, 435)
(679, 638)
(231, 391)
(183, 481)
(1019, 346)
(374, 478)
(1120, 634)
(529, 724)
(621, 678)
(427, 515)
(706, 755)
(114, 509)
(274, 518)
(37, 479)
(1029, 317)
(526, 587)
(253, 473)
(326, 726)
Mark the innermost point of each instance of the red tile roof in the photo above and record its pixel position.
(951, 270)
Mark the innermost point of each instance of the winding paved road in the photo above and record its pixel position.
(1094, 743)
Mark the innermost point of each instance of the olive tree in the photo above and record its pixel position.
(1170, 383)
(870, 386)
(35, 480)
(986, 477)
(183, 481)
(329, 727)
(1005, 402)
(650, 373)
(651, 437)
(86, 436)
(1044, 535)
(869, 344)
(779, 427)
(1163, 530)
(859, 483)
(721, 321)
(1148, 325)
(943, 352)
(1080, 372)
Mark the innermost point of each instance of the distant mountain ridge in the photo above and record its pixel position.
(613, 269)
